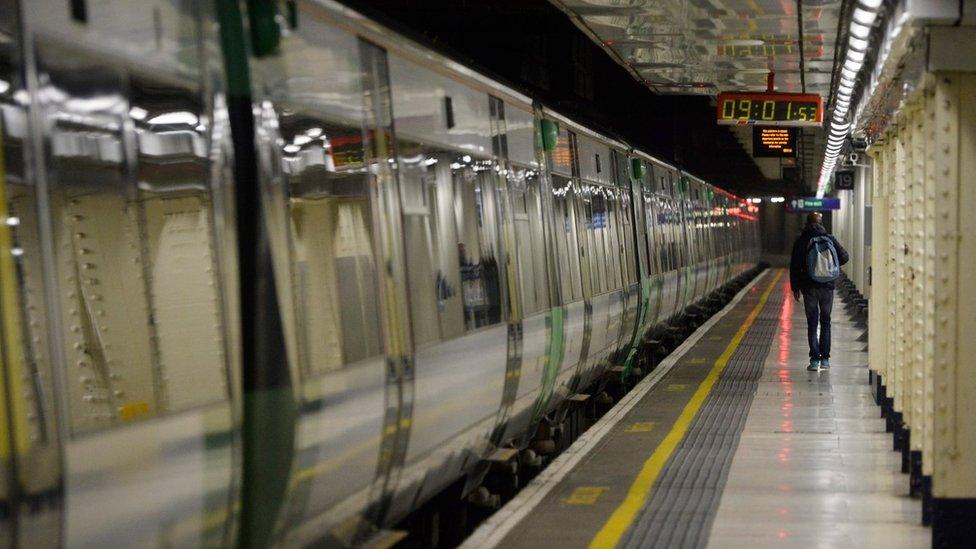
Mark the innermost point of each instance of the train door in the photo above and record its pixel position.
(682, 202)
(708, 241)
(573, 268)
(657, 244)
(530, 255)
(333, 434)
(641, 178)
(127, 275)
(630, 259)
(507, 188)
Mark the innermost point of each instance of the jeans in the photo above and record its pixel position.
(817, 302)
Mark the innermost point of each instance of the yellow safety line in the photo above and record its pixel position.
(640, 490)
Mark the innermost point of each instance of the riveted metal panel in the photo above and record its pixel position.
(878, 311)
(931, 170)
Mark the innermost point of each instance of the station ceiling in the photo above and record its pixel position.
(545, 51)
(707, 46)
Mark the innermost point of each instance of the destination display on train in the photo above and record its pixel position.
(769, 109)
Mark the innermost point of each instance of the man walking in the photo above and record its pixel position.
(814, 266)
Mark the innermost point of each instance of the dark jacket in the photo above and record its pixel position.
(799, 279)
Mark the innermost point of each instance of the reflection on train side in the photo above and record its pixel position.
(133, 262)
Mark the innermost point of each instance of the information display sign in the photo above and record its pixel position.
(813, 204)
(773, 142)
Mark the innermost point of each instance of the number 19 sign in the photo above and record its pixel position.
(769, 109)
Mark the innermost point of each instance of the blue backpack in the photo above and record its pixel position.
(822, 262)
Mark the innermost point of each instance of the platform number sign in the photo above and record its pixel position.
(844, 181)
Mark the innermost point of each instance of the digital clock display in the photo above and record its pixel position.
(770, 109)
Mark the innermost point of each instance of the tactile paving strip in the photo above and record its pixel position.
(685, 497)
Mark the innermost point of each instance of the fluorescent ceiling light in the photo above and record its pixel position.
(860, 31)
(857, 44)
(863, 16)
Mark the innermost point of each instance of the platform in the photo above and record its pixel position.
(730, 442)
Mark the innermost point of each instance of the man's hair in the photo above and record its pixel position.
(814, 218)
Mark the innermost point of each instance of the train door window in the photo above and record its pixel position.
(658, 224)
(525, 189)
(450, 224)
(567, 239)
(695, 224)
(676, 250)
(702, 224)
(691, 225)
(726, 229)
(614, 250)
(697, 248)
(672, 253)
(679, 243)
(334, 268)
(652, 227)
(595, 222)
(717, 220)
(629, 254)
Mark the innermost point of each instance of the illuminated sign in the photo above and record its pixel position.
(774, 142)
(769, 109)
(813, 204)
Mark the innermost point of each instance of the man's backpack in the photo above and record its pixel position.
(822, 262)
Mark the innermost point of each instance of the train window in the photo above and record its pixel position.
(136, 247)
(524, 187)
(450, 223)
(333, 263)
(567, 239)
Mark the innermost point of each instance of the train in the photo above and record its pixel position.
(273, 274)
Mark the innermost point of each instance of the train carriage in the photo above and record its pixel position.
(449, 264)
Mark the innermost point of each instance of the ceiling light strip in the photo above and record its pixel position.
(861, 23)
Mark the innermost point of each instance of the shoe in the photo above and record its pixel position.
(814, 365)
(825, 364)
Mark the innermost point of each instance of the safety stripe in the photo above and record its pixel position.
(640, 490)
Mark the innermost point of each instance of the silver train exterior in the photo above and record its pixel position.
(452, 261)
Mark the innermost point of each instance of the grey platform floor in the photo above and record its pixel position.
(814, 466)
(809, 466)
